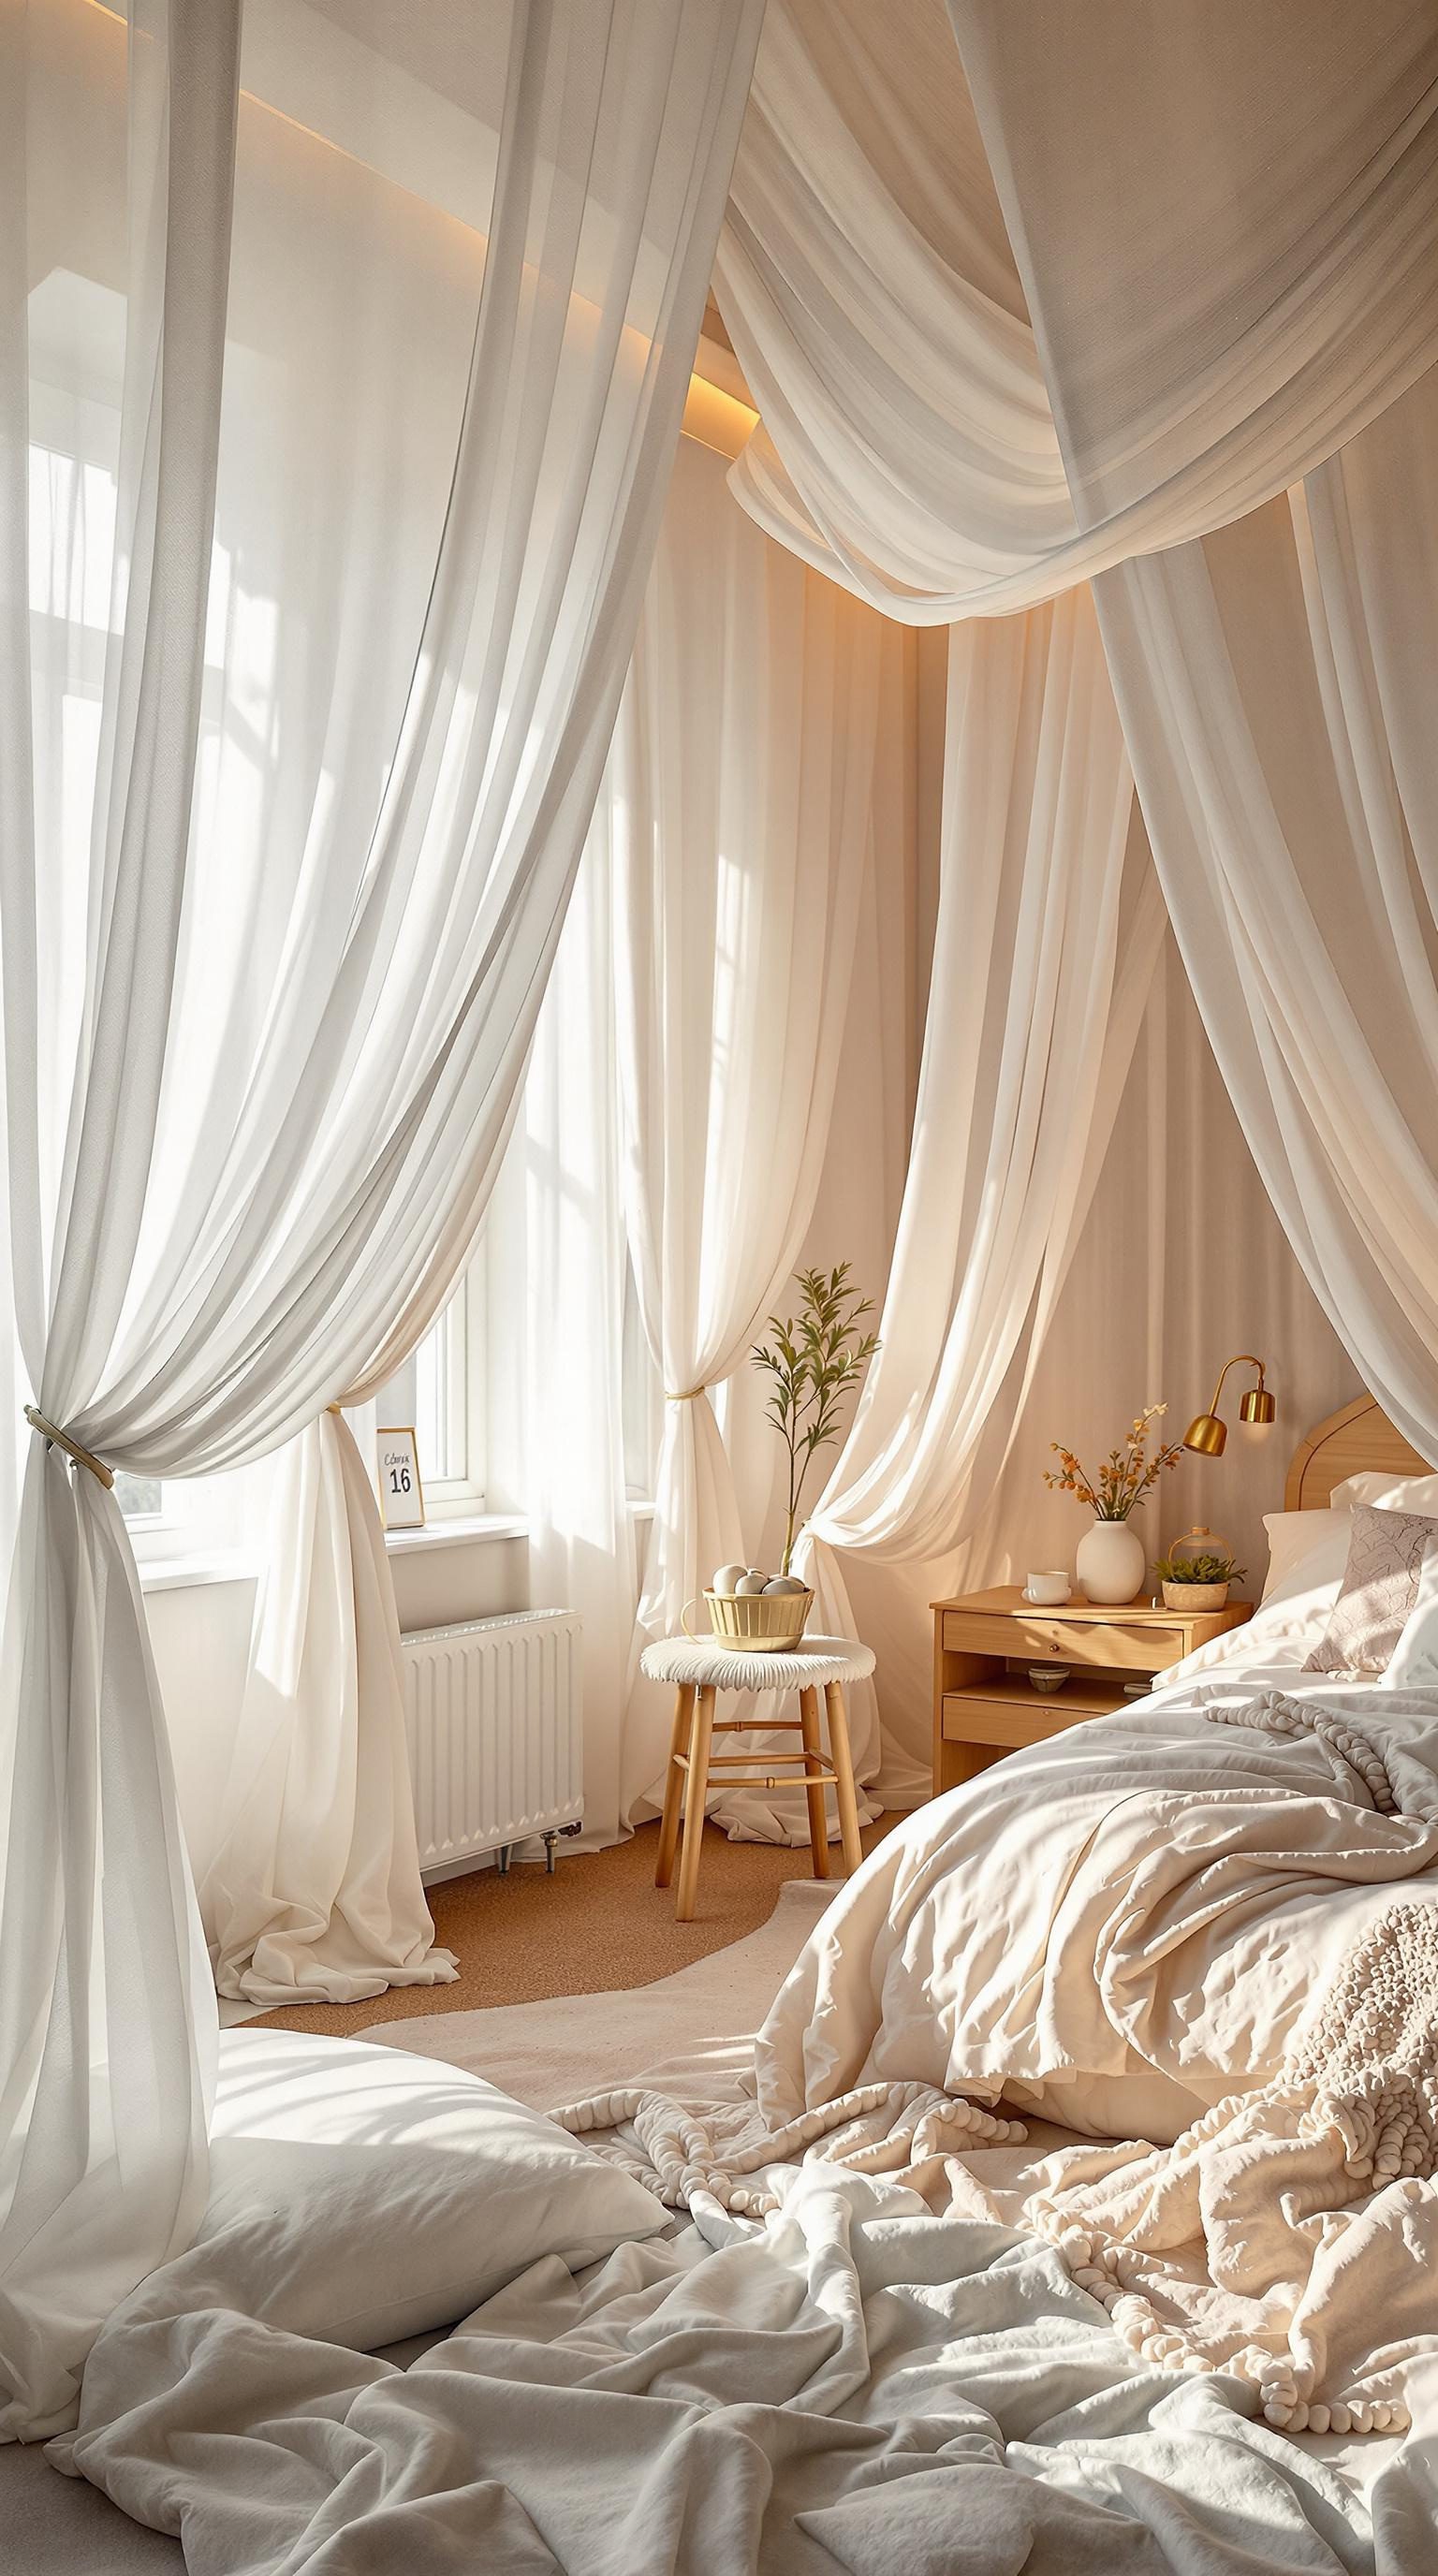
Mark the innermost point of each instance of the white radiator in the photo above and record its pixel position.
(492, 1710)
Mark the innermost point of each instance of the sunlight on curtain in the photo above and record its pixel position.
(741, 811)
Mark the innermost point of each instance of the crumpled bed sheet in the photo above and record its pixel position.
(855, 2386)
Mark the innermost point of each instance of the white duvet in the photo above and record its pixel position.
(944, 2350)
(1121, 1925)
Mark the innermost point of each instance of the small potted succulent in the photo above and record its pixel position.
(815, 1358)
(1195, 1576)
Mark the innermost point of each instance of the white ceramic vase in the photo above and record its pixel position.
(1111, 1561)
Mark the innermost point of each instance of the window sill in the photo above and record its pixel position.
(236, 1565)
(475, 1530)
(178, 1573)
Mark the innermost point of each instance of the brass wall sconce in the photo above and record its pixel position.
(1207, 1434)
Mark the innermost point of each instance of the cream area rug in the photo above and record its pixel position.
(693, 2030)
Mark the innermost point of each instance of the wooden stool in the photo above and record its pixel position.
(699, 1670)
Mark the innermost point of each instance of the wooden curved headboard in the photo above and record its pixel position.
(1355, 1441)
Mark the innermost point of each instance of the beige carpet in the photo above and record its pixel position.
(599, 1923)
(693, 2030)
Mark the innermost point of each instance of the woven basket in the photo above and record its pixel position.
(1197, 1596)
(761, 1623)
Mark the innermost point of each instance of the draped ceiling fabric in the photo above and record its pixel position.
(1224, 289)
(257, 1073)
(1225, 217)
(741, 812)
(905, 444)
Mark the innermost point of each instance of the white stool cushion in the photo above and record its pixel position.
(714, 1667)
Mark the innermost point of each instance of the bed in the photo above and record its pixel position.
(1074, 2216)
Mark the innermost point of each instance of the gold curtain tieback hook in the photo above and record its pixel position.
(685, 1395)
(59, 1439)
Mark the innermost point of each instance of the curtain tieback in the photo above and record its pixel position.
(59, 1439)
(686, 1395)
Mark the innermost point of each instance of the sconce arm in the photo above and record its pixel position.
(1240, 1359)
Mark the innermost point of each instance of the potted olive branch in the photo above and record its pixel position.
(814, 1359)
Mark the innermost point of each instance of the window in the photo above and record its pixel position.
(439, 1392)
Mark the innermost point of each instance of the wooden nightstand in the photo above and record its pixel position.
(984, 1703)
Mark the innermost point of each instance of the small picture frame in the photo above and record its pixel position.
(401, 1495)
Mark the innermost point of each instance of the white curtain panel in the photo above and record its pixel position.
(1182, 1260)
(567, 1316)
(257, 1076)
(741, 808)
(1224, 223)
(314, 1890)
(1023, 1060)
(1276, 685)
(856, 1213)
(104, 2067)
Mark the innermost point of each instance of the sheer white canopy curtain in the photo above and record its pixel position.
(261, 1041)
(1165, 273)
(1042, 959)
(1220, 329)
(1276, 686)
(741, 811)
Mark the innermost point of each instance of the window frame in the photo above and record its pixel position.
(463, 1323)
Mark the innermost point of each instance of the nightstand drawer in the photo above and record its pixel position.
(1008, 1723)
(1138, 1646)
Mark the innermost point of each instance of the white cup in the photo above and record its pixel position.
(1048, 1589)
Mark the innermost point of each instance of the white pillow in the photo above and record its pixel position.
(1307, 1555)
(1413, 1664)
(359, 2194)
(1295, 1536)
(1389, 1493)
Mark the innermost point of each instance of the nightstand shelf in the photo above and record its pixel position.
(985, 1708)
